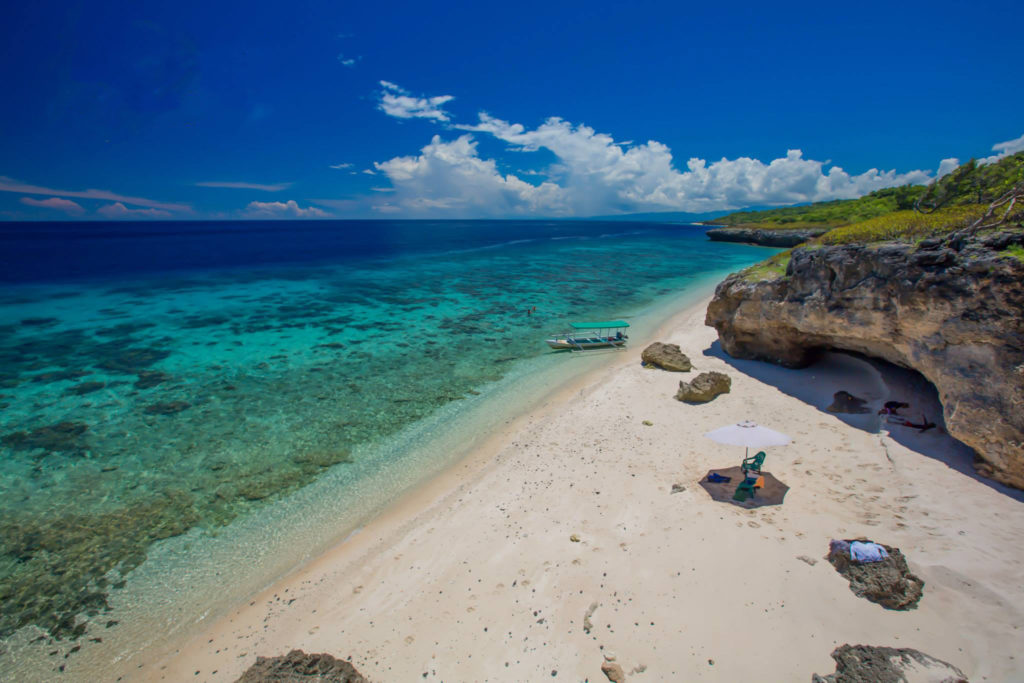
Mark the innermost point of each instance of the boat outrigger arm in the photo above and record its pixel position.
(591, 336)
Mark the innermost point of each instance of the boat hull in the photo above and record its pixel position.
(574, 344)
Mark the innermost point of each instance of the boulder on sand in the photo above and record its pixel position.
(889, 582)
(704, 387)
(299, 667)
(667, 357)
(856, 663)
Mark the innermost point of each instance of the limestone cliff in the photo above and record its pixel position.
(777, 237)
(951, 308)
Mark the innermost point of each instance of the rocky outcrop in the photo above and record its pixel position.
(766, 238)
(950, 308)
(704, 387)
(888, 582)
(667, 357)
(299, 667)
(859, 663)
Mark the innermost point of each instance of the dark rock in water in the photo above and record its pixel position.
(704, 387)
(132, 361)
(124, 329)
(39, 322)
(863, 663)
(151, 378)
(951, 308)
(64, 437)
(167, 407)
(85, 388)
(845, 402)
(667, 357)
(58, 376)
(766, 238)
(888, 582)
(299, 667)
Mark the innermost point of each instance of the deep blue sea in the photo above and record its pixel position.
(165, 386)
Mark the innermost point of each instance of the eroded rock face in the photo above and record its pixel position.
(859, 663)
(765, 238)
(950, 308)
(667, 357)
(704, 387)
(299, 667)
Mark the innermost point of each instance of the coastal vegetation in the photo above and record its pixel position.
(828, 214)
(1016, 251)
(905, 226)
(971, 185)
(974, 183)
(769, 269)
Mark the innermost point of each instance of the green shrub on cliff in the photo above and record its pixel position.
(905, 226)
(829, 214)
(974, 183)
(1016, 251)
(770, 269)
(970, 184)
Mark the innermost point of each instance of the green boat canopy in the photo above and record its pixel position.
(599, 325)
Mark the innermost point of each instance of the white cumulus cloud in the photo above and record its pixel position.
(66, 205)
(947, 166)
(117, 210)
(594, 174)
(398, 102)
(288, 209)
(450, 177)
(1004, 149)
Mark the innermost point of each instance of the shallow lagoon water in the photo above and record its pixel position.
(204, 396)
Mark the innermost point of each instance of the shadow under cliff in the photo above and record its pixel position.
(875, 381)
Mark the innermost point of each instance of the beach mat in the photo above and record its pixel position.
(773, 493)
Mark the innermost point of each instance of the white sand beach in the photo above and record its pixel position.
(474, 576)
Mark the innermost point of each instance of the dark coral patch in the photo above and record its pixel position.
(64, 437)
(151, 378)
(132, 361)
(167, 407)
(58, 376)
(39, 322)
(85, 388)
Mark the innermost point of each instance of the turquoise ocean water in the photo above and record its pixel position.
(191, 410)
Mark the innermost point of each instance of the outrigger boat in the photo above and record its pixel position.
(591, 336)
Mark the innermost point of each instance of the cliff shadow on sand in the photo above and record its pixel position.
(876, 381)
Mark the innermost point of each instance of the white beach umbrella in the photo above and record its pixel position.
(749, 435)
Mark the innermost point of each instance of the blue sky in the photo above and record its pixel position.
(328, 109)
